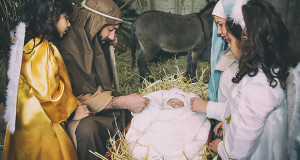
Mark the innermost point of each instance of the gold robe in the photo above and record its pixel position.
(45, 101)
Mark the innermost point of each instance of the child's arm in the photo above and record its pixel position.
(46, 74)
(213, 110)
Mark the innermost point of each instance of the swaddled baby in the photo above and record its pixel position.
(167, 128)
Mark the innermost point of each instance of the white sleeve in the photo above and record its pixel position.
(216, 110)
(248, 116)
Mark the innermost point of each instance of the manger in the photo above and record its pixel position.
(147, 136)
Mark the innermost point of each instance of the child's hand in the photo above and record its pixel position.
(214, 145)
(216, 129)
(81, 111)
(198, 105)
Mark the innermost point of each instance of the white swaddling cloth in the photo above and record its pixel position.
(162, 132)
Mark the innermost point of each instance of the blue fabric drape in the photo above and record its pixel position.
(218, 45)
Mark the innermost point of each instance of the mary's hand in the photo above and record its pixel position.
(198, 105)
(214, 145)
(216, 129)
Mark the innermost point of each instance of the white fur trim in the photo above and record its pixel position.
(13, 73)
(237, 14)
(219, 10)
(100, 13)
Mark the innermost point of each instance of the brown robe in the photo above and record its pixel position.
(89, 68)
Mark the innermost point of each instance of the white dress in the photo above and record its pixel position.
(168, 134)
(228, 67)
(258, 126)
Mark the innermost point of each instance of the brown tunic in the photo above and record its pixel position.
(89, 68)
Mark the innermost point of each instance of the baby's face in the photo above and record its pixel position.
(175, 103)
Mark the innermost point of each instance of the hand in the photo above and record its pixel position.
(214, 145)
(217, 127)
(198, 105)
(81, 111)
(133, 102)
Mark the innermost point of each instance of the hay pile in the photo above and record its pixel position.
(168, 74)
(120, 150)
(168, 68)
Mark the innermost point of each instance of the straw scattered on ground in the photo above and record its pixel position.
(162, 69)
(121, 149)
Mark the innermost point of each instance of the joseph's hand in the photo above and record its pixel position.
(133, 102)
(136, 103)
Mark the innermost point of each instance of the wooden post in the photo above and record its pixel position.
(149, 5)
(180, 6)
(176, 6)
(114, 68)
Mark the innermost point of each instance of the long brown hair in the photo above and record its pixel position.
(267, 46)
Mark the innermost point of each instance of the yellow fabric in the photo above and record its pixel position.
(45, 101)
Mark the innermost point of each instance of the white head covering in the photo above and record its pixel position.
(175, 93)
(237, 14)
(219, 10)
(100, 13)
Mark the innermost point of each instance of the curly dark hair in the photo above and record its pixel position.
(267, 45)
(235, 29)
(41, 17)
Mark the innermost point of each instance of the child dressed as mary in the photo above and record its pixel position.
(167, 128)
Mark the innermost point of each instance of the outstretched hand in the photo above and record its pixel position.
(81, 111)
(133, 102)
(198, 105)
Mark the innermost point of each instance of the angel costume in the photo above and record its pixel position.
(44, 101)
(161, 131)
(254, 120)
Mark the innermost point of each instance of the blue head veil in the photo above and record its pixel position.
(218, 45)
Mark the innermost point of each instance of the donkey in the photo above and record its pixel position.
(155, 30)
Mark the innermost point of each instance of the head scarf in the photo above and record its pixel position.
(219, 10)
(218, 45)
(86, 59)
